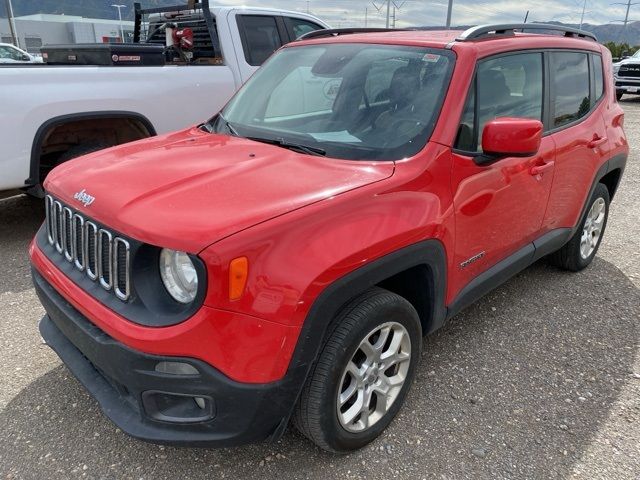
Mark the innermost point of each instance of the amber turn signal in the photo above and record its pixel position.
(238, 272)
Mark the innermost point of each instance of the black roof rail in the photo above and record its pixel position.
(334, 32)
(484, 31)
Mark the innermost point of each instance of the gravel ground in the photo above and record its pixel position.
(540, 379)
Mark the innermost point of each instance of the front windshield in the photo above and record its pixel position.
(636, 55)
(349, 101)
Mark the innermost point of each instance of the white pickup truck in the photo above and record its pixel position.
(52, 112)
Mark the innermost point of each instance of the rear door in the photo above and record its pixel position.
(579, 132)
(499, 207)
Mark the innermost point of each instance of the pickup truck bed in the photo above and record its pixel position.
(50, 112)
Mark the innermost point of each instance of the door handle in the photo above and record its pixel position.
(597, 141)
(540, 169)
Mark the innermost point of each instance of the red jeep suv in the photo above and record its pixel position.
(284, 260)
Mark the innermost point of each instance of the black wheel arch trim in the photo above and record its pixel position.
(430, 253)
(38, 140)
(617, 162)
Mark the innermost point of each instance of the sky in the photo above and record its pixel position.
(342, 13)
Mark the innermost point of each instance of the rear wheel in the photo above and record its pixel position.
(363, 374)
(578, 253)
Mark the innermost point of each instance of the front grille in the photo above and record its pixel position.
(629, 71)
(102, 255)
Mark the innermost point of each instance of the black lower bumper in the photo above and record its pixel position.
(122, 380)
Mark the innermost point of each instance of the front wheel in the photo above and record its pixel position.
(578, 253)
(363, 374)
(619, 94)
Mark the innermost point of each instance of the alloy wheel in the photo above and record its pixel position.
(373, 378)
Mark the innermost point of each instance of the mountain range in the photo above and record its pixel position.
(102, 9)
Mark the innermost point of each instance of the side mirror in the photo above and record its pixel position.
(626, 54)
(509, 137)
(26, 58)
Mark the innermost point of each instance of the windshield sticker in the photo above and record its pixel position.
(343, 137)
(331, 88)
(431, 58)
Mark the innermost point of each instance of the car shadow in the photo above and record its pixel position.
(20, 219)
(515, 386)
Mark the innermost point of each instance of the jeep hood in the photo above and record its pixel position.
(189, 189)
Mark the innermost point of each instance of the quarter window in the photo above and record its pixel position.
(571, 96)
(298, 27)
(507, 86)
(598, 76)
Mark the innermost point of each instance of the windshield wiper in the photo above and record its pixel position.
(280, 142)
(208, 126)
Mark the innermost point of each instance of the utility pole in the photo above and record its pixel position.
(449, 12)
(12, 24)
(389, 9)
(584, 6)
(396, 7)
(119, 7)
(626, 17)
(366, 16)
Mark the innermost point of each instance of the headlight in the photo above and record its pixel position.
(178, 275)
(615, 69)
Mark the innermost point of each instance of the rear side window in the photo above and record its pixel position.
(570, 92)
(298, 27)
(598, 73)
(260, 37)
(507, 86)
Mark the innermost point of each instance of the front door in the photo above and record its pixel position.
(499, 208)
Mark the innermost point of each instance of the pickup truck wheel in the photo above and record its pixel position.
(363, 373)
(578, 253)
(619, 95)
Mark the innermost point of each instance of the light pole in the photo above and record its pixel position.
(120, 19)
(12, 24)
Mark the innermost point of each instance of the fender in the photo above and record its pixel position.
(38, 140)
(616, 162)
(429, 253)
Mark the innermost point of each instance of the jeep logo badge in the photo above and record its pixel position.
(84, 198)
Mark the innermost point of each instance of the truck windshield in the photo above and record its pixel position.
(348, 101)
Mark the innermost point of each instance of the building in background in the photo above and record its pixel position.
(34, 31)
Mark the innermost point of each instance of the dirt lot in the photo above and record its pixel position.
(541, 379)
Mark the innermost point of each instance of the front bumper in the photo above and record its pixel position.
(119, 378)
(627, 84)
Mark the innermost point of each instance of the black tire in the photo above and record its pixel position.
(316, 415)
(619, 95)
(569, 256)
(80, 150)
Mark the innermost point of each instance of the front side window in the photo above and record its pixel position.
(11, 53)
(506, 86)
(352, 101)
(261, 38)
(570, 92)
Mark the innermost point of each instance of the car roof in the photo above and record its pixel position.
(450, 39)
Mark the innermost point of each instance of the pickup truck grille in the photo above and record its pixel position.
(101, 254)
(629, 71)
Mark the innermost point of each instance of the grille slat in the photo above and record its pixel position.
(91, 254)
(105, 250)
(67, 216)
(97, 251)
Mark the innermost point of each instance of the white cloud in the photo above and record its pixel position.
(341, 13)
